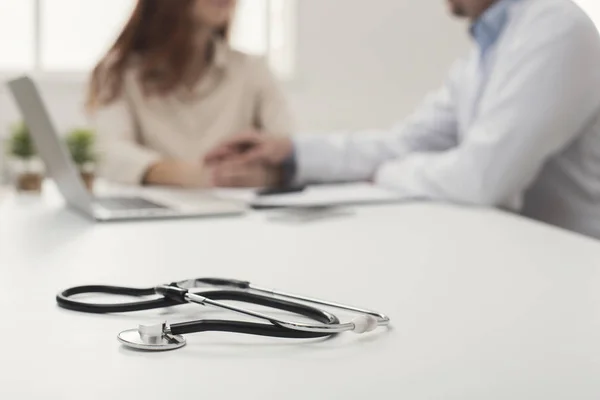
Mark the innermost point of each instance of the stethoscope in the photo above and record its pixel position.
(211, 292)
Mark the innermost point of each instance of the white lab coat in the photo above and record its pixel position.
(530, 142)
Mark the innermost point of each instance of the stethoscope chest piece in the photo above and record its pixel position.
(151, 338)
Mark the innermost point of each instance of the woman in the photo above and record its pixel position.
(171, 88)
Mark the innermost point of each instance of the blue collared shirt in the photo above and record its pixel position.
(486, 31)
(490, 25)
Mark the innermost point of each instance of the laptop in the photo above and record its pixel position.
(62, 169)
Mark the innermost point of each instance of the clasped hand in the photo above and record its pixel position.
(250, 159)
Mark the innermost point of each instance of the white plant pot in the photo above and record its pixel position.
(19, 166)
(27, 174)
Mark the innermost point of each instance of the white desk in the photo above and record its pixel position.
(484, 306)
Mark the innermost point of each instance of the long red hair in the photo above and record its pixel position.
(160, 34)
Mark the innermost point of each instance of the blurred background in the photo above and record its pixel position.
(345, 64)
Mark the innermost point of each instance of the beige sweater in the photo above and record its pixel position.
(237, 93)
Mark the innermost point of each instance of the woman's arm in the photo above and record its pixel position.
(123, 159)
(272, 111)
(176, 173)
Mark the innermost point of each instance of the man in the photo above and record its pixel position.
(517, 125)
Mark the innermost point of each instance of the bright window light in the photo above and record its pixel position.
(63, 36)
(76, 33)
(17, 34)
(250, 31)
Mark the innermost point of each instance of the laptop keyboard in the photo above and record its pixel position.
(127, 203)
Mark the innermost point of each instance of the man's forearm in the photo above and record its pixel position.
(343, 157)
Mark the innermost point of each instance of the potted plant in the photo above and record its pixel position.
(81, 143)
(27, 169)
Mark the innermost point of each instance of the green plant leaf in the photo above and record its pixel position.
(20, 144)
(81, 143)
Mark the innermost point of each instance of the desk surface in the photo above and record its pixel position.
(484, 305)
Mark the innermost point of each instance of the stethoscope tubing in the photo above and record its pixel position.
(176, 294)
(65, 301)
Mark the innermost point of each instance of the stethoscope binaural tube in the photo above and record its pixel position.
(363, 323)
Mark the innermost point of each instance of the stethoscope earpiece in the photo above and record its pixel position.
(365, 323)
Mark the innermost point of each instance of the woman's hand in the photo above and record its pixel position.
(252, 148)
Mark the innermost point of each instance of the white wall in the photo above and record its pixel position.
(368, 62)
(361, 63)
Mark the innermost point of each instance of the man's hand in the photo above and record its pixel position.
(254, 175)
(252, 148)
